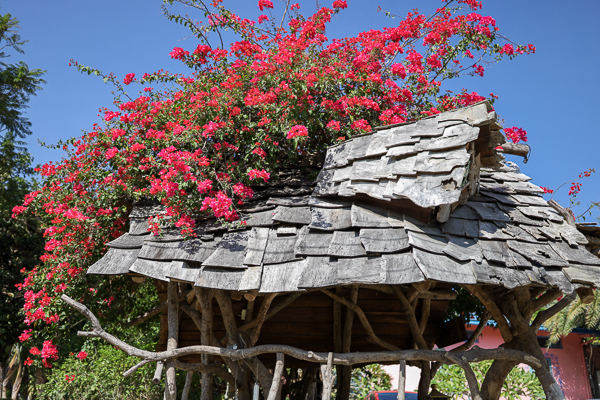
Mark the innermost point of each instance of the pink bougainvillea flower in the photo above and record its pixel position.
(262, 4)
(297, 131)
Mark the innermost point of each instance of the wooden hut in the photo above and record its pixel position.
(359, 265)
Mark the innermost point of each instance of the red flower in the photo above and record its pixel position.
(297, 131)
(262, 4)
(339, 4)
(26, 335)
(82, 355)
(128, 79)
(515, 134)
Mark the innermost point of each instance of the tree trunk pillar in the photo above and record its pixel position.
(173, 337)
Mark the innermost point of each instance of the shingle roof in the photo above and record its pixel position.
(375, 217)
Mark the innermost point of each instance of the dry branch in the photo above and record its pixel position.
(489, 303)
(372, 337)
(469, 374)
(262, 315)
(273, 310)
(547, 297)
(411, 319)
(544, 315)
(135, 368)
(476, 333)
(160, 366)
(188, 384)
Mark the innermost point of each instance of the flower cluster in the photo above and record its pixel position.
(515, 134)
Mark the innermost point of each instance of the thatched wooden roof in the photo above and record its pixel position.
(430, 200)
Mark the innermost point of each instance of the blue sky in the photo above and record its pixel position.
(551, 94)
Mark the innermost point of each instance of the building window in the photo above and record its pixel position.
(543, 342)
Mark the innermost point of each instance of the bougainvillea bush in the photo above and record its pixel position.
(198, 142)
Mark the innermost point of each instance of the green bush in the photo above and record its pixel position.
(450, 380)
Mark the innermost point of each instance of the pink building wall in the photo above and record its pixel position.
(568, 364)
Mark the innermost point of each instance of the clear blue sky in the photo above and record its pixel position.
(552, 94)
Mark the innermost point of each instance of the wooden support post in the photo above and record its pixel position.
(275, 390)
(424, 381)
(346, 377)
(188, 384)
(204, 297)
(258, 368)
(172, 339)
(327, 376)
(337, 334)
(402, 380)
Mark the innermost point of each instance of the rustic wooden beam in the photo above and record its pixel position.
(160, 366)
(262, 315)
(526, 337)
(258, 368)
(327, 376)
(130, 370)
(425, 312)
(372, 337)
(273, 310)
(476, 333)
(411, 319)
(346, 376)
(490, 304)
(412, 293)
(550, 295)
(469, 374)
(514, 149)
(275, 390)
(337, 322)
(586, 294)
(187, 386)
(204, 298)
(173, 338)
(544, 315)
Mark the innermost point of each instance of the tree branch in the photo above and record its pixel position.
(262, 315)
(363, 319)
(493, 309)
(469, 374)
(544, 315)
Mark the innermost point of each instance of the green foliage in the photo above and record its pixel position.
(99, 376)
(368, 379)
(17, 82)
(21, 241)
(450, 380)
(575, 315)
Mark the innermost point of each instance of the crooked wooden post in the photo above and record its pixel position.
(327, 375)
(275, 390)
(173, 337)
(402, 380)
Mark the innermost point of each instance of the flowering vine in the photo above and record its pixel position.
(278, 93)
